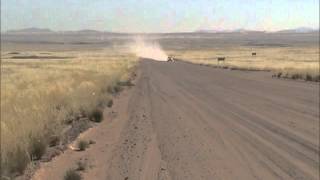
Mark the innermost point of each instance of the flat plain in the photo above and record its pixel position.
(180, 120)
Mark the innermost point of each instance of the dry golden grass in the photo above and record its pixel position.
(38, 96)
(290, 61)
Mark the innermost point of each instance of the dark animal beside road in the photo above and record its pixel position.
(221, 59)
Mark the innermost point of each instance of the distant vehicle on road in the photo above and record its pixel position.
(170, 59)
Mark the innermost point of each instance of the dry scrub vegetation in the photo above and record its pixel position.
(285, 62)
(39, 96)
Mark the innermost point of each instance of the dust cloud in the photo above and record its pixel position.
(148, 49)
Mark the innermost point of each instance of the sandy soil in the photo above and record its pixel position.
(184, 121)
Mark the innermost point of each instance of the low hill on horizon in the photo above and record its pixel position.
(34, 30)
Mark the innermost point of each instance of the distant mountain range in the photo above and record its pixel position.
(299, 30)
(295, 30)
(227, 31)
(89, 31)
(30, 30)
(49, 31)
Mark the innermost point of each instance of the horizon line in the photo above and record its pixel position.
(204, 30)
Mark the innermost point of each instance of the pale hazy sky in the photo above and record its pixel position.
(159, 15)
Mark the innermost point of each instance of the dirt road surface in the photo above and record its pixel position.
(188, 122)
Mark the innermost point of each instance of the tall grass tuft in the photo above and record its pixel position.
(39, 96)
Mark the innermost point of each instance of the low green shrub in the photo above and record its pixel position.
(96, 115)
(308, 77)
(72, 175)
(110, 103)
(83, 145)
(81, 166)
